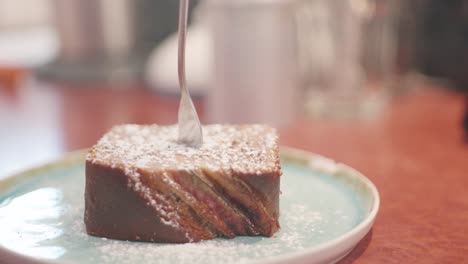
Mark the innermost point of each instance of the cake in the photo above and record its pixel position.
(142, 185)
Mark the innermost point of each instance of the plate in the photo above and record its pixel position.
(326, 209)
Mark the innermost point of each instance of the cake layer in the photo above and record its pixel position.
(113, 210)
(142, 185)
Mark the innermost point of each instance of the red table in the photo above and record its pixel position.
(415, 154)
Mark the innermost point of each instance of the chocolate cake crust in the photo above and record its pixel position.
(142, 185)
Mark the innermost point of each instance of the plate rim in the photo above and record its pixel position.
(348, 240)
(345, 242)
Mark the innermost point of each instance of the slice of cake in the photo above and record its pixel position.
(142, 185)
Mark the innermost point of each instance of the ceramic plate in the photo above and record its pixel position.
(326, 209)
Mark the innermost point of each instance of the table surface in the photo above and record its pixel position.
(415, 153)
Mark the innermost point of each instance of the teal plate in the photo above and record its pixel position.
(326, 209)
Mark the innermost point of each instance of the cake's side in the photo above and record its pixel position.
(235, 205)
(115, 210)
(256, 196)
(134, 195)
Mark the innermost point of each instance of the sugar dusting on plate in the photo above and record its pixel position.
(238, 250)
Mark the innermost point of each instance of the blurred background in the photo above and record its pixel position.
(379, 85)
(341, 73)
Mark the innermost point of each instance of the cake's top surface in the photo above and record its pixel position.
(249, 149)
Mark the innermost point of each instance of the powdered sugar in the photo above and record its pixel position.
(249, 149)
